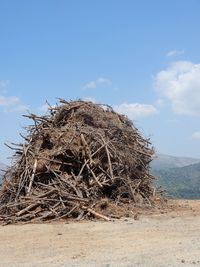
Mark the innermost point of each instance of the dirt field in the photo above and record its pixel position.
(164, 239)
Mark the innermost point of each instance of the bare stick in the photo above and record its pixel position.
(32, 177)
(108, 156)
(109, 162)
(94, 176)
(87, 150)
(98, 215)
(83, 166)
(32, 206)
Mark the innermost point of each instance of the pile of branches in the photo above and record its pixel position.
(71, 159)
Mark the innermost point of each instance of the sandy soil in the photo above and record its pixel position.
(164, 239)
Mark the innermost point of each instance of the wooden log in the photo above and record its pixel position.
(98, 215)
(25, 210)
(32, 176)
(94, 176)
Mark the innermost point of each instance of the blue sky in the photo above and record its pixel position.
(141, 57)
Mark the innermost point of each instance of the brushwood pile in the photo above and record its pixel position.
(73, 158)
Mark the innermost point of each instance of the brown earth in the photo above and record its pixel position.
(165, 238)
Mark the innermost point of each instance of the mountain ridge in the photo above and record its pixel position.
(164, 161)
(181, 182)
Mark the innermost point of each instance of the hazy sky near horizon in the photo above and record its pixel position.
(141, 57)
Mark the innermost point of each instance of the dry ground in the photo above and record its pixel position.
(162, 239)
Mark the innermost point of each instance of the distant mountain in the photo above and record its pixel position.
(163, 162)
(182, 182)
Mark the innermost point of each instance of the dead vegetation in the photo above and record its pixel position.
(73, 158)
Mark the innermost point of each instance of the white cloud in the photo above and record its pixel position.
(180, 84)
(3, 86)
(8, 100)
(96, 83)
(196, 135)
(10, 103)
(90, 99)
(16, 108)
(136, 110)
(45, 107)
(175, 53)
(21, 107)
(160, 103)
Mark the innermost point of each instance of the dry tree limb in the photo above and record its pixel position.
(32, 206)
(87, 149)
(97, 215)
(94, 176)
(109, 162)
(108, 156)
(32, 176)
(83, 166)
